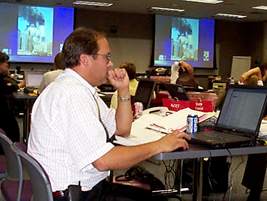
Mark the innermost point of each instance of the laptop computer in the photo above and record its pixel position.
(239, 120)
(33, 79)
(144, 92)
(176, 91)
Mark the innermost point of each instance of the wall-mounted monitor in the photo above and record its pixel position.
(179, 38)
(34, 33)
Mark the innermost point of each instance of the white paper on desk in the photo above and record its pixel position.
(263, 128)
(140, 134)
(177, 120)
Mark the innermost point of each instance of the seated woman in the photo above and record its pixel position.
(252, 179)
(186, 75)
(131, 71)
(50, 76)
(255, 76)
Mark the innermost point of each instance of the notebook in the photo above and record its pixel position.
(176, 91)
(33, 79)
(239, 120)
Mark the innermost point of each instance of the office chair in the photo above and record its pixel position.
(2, 162)
(144, 92)
(13, 187)
(41, 187)
(176, 91)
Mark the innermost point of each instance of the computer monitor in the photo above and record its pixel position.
(33, 79)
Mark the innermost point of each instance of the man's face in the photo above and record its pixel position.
(4, 68)
(102, 63)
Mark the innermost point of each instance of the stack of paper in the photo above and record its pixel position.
(151, 127)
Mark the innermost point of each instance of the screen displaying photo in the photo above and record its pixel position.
(34, 33)
(186, 39)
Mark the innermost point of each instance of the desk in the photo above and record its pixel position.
(28, 103)
(200, 152)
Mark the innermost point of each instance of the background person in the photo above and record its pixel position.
(258, 73)
(72, 126)
(50, 76)
(252, 179)
(8, 85)
(131, 71)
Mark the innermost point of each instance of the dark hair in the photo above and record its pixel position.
(263, 68)
(59, 61)
(186, 79)
(3, 57)
(80, 41)
(130, 69)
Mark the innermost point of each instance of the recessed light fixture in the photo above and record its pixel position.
(230, 15)
(92, 3)
(167, 9)
(260, 7)
(206, 1)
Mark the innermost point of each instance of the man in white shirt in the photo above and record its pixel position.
(71, 126)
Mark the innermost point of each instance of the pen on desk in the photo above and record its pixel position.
(157, 130)
(153, 111)
(158, 126)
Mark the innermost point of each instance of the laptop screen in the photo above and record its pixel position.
(144, 92)
(238, 104)
(33, 79)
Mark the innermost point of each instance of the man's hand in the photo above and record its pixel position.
(118, 78)
(173, 141)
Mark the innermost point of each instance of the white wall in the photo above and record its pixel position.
(133, 50)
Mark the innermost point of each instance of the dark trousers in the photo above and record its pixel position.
(106, 191)
(254, 175)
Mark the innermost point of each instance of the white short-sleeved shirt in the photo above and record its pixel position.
(66, 135)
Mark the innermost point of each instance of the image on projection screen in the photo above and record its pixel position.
(184, 39)
(35, 31)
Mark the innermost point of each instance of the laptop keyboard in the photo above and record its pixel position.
(212, 135)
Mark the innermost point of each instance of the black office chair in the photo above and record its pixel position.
(13, 187)
(41, 187)
(144, 92)
(176, 91)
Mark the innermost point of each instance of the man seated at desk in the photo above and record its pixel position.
(71, 140)
(7, 86)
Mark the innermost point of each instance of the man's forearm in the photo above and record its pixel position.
(124, 115)
(128, 156)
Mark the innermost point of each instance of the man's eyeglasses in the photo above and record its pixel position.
(106, 56)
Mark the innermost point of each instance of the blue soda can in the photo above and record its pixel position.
(192, 123)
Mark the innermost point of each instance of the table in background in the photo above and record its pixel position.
(199, 153)
(27, 101)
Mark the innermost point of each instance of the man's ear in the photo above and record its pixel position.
(84, 59)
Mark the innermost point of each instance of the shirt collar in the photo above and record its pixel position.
(69, 71)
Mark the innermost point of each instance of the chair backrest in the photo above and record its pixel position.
(144, 92)
(41, 187)
(13, 163)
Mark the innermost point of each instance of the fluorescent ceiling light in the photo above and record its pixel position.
(206, 1)
(260, 7)
(92, 3)
(167, 9)
(230, 15)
